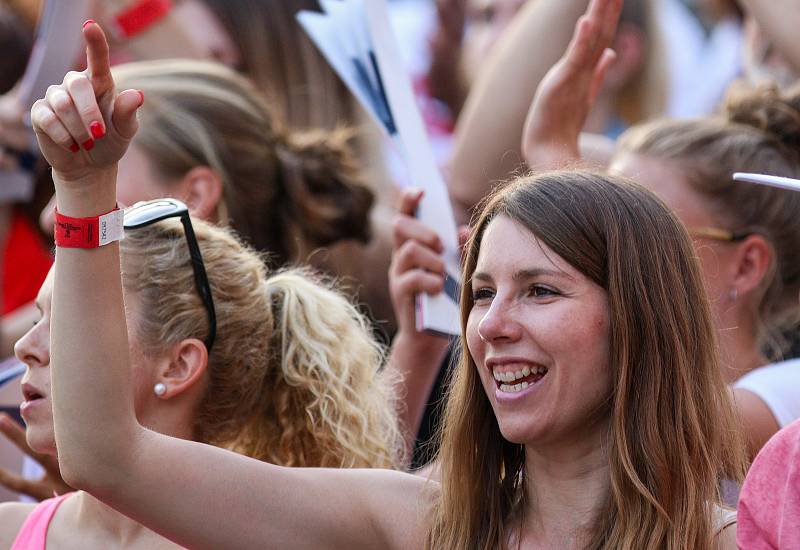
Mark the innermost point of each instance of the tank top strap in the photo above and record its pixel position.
(722, 518)
(33, 533)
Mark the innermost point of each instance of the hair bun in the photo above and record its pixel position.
(768, 109)
(327, 198)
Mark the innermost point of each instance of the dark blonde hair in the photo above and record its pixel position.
(293, 374)
(758, 131)
(285, 192)
(672, 435)
(284, 63)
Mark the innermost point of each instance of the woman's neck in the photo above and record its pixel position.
(740, 349)
(108, 524)
(566, 487)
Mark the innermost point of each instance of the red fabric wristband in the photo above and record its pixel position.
(91, 232)
(140, 16)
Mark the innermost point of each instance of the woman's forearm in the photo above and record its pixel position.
(487, 146)
(413, 369)
(92, 402)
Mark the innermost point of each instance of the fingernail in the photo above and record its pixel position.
(97, 130)
(88, 144)
(88, 22)
(141, 98)
(74, 148)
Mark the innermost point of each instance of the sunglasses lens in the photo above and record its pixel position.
(148, 212)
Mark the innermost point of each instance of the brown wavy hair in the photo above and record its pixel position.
(673, 429)
(292, 378)
(757, 131)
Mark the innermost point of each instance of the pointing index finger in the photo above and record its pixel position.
(97, 59)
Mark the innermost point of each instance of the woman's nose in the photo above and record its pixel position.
(33, 348)
(499, 323)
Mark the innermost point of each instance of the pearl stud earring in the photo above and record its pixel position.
(160, 389)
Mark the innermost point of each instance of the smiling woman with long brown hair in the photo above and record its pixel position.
(634, 394)
(588, 410)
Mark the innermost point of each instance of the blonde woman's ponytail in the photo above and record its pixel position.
(323, 401)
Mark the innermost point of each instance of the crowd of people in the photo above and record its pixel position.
(213, 286)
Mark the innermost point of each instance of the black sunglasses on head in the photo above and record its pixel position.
(147, 213)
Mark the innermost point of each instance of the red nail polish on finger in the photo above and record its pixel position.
(88, 144)
(88, 22)
(141, 98)
(97, 130)
(74, 148)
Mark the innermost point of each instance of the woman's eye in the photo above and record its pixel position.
(539, 291)
(482, 294)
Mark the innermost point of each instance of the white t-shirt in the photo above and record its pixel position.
(778, 386)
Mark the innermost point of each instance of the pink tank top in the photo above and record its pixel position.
(33, 533)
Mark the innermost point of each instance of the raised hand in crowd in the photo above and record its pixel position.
(564, 98)
(83, 125)
(417, 267)
(43, 488)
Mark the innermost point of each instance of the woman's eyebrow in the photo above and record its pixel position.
(524, 274)
(540, 271)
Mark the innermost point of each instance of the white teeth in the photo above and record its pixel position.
(509, 376)
(513, 388)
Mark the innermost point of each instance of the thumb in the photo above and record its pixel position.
(124, 115)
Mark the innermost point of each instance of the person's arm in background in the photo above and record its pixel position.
(415, 357)
(446, 79)
(49, 484)
(488, 132)
(167, 38)
(780, 21)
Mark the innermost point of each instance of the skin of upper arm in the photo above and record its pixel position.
(12, 515)
(247, 503)
(758, 421)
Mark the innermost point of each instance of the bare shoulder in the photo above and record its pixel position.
(12, 515)
(759, 421)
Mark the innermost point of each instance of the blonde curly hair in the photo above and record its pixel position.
(293, 375)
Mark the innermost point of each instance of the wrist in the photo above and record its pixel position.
(90, 195)
(420, 343)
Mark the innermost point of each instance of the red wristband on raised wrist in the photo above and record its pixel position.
(140, 16)
(91, 232)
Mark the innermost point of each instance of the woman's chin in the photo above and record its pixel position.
(41, 441)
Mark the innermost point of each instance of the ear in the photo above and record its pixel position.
(753, 260)
(185, 369)
(630, 45)
(202, 191)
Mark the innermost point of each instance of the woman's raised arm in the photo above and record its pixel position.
(197, 495)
